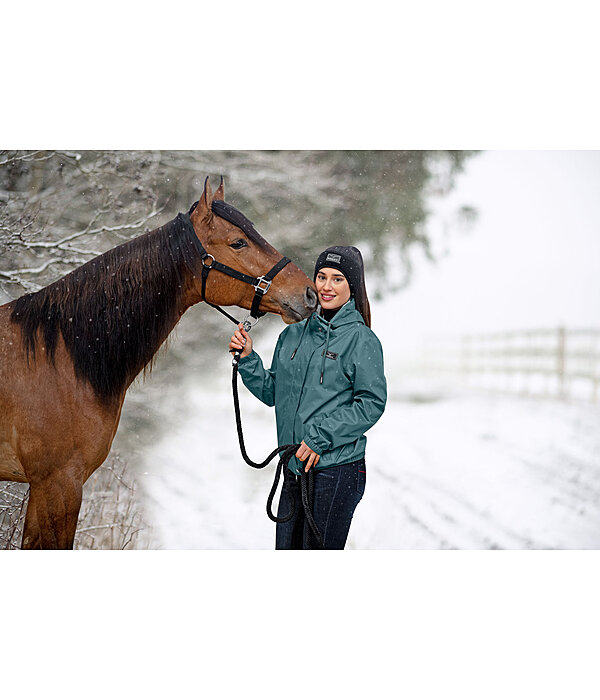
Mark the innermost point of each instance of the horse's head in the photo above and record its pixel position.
(291, 295)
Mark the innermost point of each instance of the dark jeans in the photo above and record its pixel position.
(337, 492)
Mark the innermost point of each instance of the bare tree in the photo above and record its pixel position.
(60, 208)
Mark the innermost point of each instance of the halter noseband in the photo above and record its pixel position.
(261, 284)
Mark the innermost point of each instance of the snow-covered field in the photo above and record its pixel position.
(445, 469)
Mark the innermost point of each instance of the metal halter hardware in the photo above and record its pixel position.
(259, 288)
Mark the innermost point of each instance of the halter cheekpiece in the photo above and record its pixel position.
(261, 284)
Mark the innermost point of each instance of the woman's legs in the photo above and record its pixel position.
(337, 492)
(288, 535)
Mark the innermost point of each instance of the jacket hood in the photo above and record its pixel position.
(347, 315)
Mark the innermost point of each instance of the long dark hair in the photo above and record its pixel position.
(362, 304)
(115, 311)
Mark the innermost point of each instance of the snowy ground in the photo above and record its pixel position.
(446, 469)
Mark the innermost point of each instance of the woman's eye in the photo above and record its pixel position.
(238, 244)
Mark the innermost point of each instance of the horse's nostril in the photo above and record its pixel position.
(310, 297)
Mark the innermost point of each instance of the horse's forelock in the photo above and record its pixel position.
(234, 216)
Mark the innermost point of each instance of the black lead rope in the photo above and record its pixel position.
(261, 286)
(286, 452)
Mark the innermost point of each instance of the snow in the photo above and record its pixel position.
(447, 467)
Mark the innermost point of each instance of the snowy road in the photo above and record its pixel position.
(458, 471)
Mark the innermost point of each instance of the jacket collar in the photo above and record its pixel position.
(347, 314)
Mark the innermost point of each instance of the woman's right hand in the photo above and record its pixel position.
(240, 340)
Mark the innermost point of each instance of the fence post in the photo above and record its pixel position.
(560, 362)
(595, 369)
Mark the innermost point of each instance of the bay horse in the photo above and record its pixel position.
(69, 352)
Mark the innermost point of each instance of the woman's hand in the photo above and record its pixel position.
(240, 340)
(303, 452)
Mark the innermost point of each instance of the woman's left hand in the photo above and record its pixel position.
(303, 452)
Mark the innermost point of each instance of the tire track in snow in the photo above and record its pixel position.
(465, 519)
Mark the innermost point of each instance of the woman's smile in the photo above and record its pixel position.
(332, 287)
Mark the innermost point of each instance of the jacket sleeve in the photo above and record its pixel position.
(260, 381)
(349, 423)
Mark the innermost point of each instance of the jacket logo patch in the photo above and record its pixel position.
(333, 257)
(332, 355)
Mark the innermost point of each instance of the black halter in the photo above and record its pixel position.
(261, 284)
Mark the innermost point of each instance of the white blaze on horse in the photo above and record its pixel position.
(69, 352)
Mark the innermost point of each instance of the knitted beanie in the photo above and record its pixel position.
(348, 260)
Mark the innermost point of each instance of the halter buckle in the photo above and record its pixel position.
(259, 289)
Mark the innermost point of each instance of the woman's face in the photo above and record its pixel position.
(332, 287)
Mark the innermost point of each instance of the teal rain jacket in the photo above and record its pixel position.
(327, 384)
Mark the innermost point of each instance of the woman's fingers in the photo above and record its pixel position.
(240, 340)
(303, 452)
(312, 460)
(237, 342)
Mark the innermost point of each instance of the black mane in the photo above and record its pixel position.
(115, 311)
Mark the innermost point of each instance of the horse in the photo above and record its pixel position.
(69, 352)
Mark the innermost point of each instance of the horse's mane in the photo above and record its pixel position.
(116, 310)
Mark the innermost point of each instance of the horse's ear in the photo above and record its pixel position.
(203, 210)
(207, 195)
(220, 193)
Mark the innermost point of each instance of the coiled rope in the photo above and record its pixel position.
(286, 452)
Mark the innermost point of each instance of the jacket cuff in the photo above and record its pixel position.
(252, 356)
(314, 446)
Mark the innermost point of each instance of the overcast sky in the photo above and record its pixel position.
(532, 259)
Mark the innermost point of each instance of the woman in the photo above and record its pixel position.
(327, 384)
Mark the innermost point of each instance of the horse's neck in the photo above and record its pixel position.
(188, 298)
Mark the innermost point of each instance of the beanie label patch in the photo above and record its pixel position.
(333, 257)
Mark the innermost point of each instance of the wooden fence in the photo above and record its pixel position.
(559, 362)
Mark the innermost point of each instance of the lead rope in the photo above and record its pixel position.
(287, 452)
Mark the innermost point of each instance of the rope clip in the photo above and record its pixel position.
(248, 324)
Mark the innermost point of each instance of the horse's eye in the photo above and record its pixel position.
(240, 243)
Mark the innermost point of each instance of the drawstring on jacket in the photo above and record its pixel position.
(325, 353)
(301, 336)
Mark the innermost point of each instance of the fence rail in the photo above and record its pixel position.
(559, 362)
